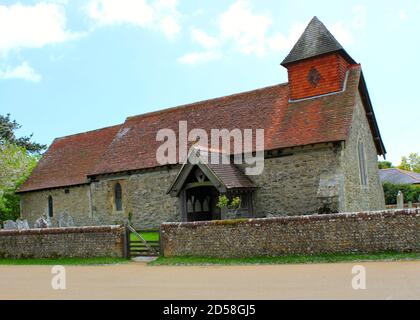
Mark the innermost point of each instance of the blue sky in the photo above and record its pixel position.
(68, 66)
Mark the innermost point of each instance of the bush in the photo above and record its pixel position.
(16, 164)
(411, 192)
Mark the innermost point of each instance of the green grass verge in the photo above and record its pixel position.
(63, 262)
(148, 236)
(325, 258)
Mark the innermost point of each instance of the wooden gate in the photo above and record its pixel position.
(138, 246)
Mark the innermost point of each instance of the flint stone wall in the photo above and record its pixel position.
(367, 232)
(85, 242)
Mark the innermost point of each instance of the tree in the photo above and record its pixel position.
(16, 164)
(233, 205)
(385, 165)
(411, 163)
(411, 193)
(8, 128)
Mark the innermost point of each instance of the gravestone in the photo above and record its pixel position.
(400, 200)
(49, 223)
(41, 223)
(22, 224)
(10, 225)
(65, 221)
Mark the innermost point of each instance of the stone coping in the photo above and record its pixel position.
(93, 229)
(302, 219)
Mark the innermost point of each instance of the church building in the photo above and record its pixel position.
(321, 145)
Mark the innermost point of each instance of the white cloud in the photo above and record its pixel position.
(247, 30)
(62, 2)
(105, 12)
(24, 72)
(159, 14)
(198, 12)
(402, 14)
(199, 57)
(170, 26)
(32, 26)
(204, 39)
(342, 34)
(282, 43)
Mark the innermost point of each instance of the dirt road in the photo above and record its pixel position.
(400, 280)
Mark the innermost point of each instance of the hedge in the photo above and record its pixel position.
(411, 192)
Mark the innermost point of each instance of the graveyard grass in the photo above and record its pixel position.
(147, 235)
(316, 259)
(63, 262)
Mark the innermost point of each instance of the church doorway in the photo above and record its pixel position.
(201, 204)
(199, 185)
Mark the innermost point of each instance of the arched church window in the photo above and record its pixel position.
(362, 164)
(197, 205)
(190, 208)
(206, 205)
(50, 207)
(118, 197)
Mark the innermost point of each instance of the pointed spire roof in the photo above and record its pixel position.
(315, 41)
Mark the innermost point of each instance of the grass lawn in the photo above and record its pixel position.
(63, 262)
(148, 236)
(327, 258)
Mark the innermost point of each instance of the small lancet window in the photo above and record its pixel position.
(118, 197)
(50, 207)
(362, 164)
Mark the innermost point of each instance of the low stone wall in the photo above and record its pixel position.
(369, 232)
(86, 242)
(406, 206)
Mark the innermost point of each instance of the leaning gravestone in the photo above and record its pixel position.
(10, 225)
(65, 221)
(22, 224)
(41, 223)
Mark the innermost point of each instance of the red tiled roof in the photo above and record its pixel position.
(69, 160)
(286, 124)
(133, 145)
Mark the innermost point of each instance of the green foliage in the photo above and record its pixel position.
(233, 204)
(16, 164)
(411, 192)
(7, 134)
(385, 165)
(146, 235)
(411, 163)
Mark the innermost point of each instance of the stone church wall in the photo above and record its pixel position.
(292, 185)
(75, 203)
(144, 199)
(309, 179)
(358, 197)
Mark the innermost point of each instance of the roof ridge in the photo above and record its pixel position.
(87, 132)
(412, 174)
(185, 106)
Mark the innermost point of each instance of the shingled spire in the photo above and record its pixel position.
(317, 64)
